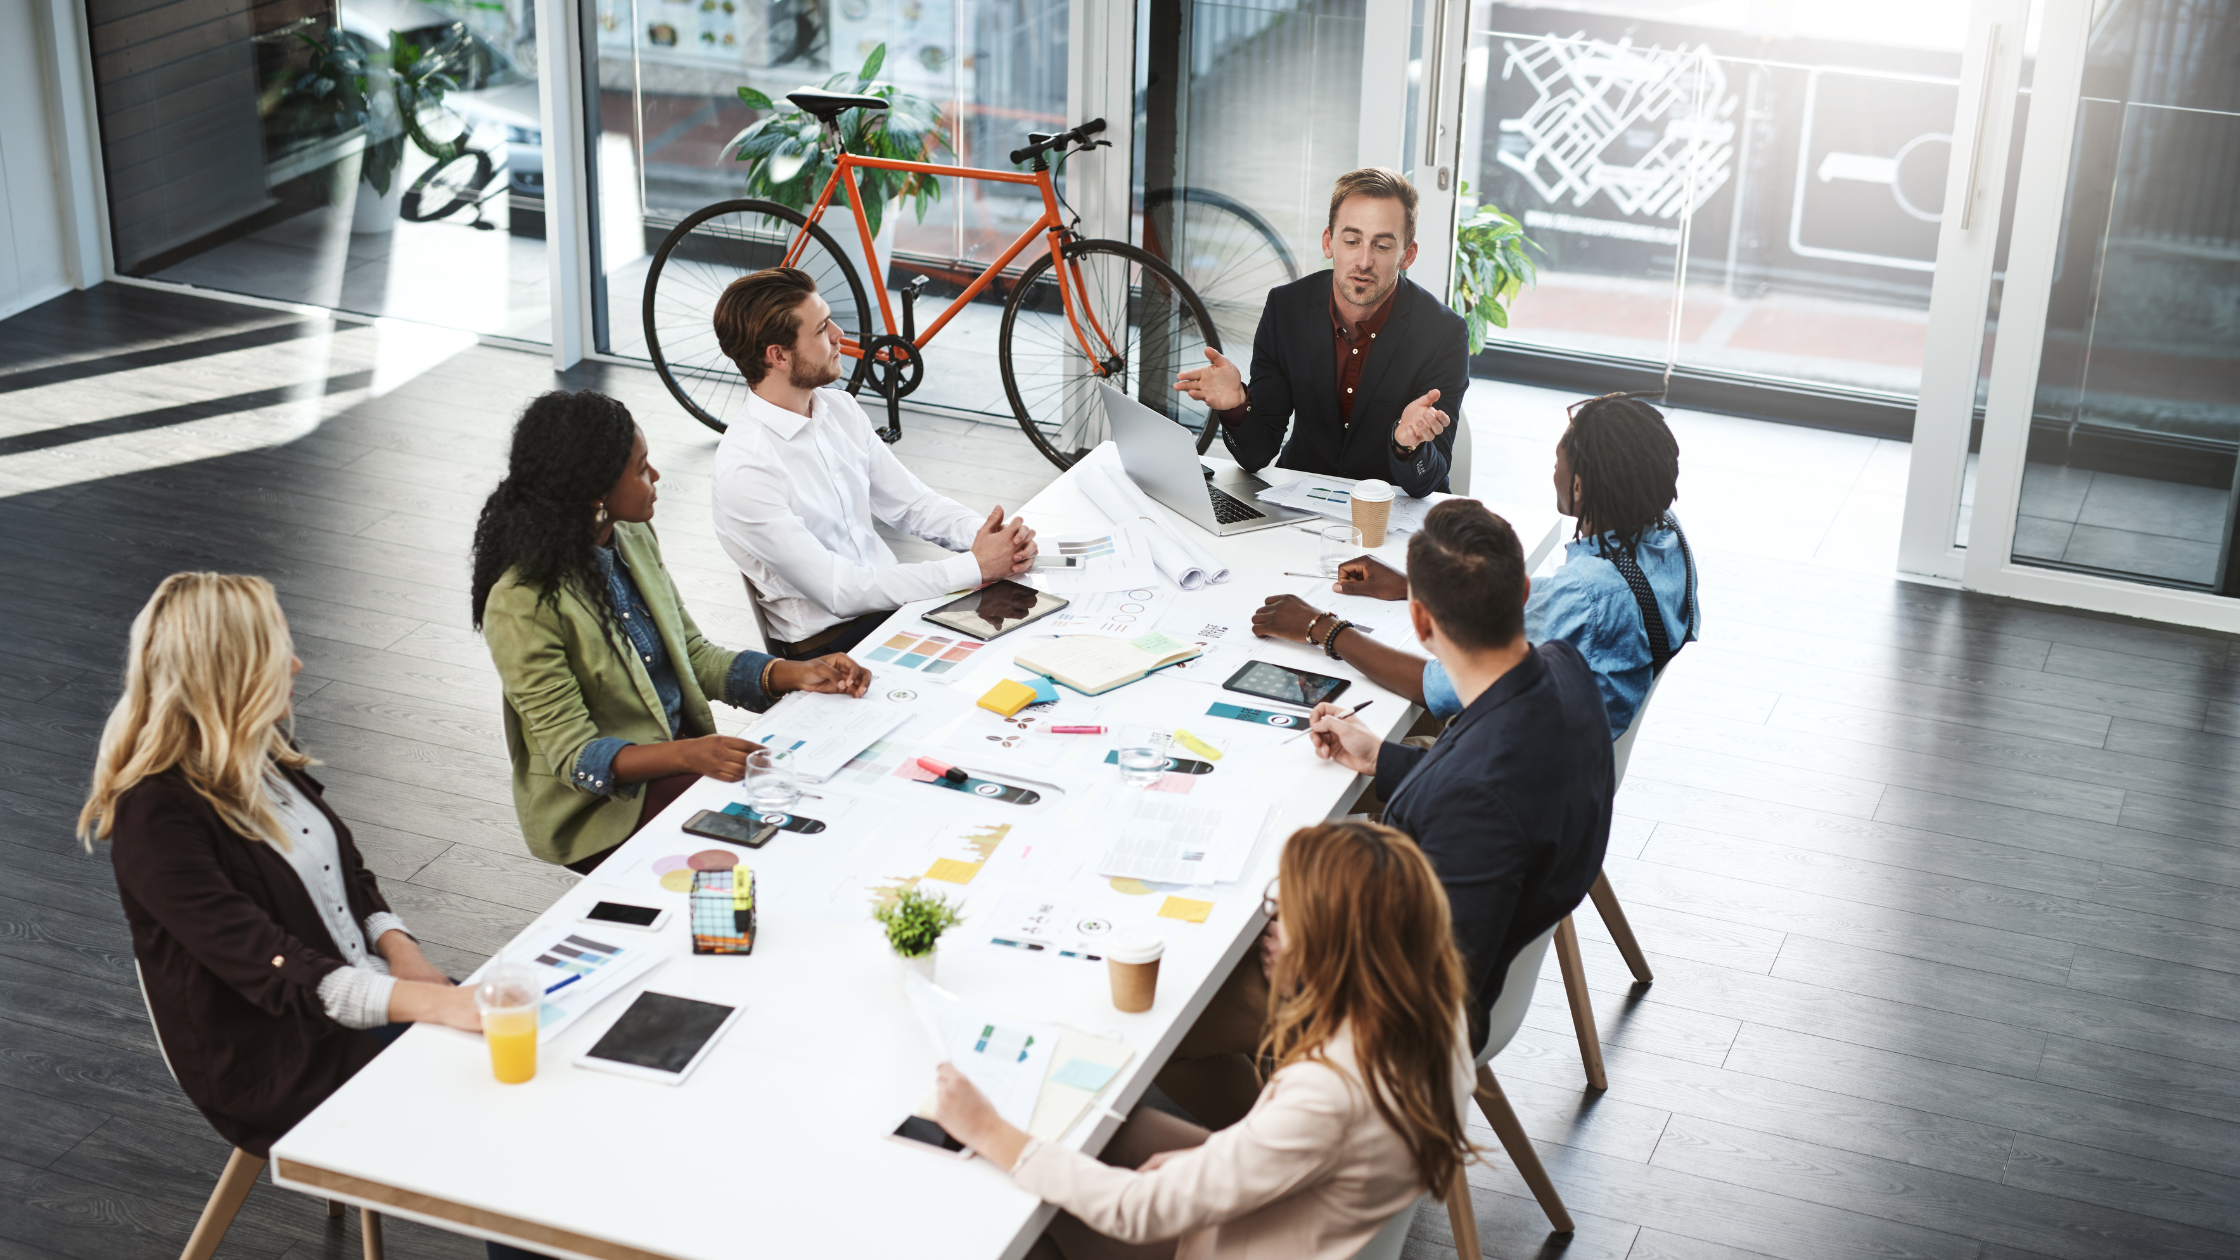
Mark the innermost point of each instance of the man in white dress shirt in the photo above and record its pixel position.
(801, 475)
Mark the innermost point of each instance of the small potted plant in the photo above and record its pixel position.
(914, 921)
(787, 162)
(1490, 268)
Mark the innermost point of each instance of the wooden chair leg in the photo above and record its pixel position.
(1498, 1113)
(1582, 1005)
(225, 1201)
(1614, 918)
(369, 1232)
(334, 1208)
(1462, 1218)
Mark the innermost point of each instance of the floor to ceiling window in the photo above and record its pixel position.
(383, 157)
(668, 75)
(1756, 197)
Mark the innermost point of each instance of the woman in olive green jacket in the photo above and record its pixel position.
(607, 680)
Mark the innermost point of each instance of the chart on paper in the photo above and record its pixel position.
(930, 654)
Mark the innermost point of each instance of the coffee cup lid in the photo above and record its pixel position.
(1372, 491)
(1135, 945)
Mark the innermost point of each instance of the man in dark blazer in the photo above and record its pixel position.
(1512, 804)
(1357, 355)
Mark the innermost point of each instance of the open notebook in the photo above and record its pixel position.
(1091, 664)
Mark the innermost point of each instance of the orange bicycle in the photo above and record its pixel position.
(1082, 312)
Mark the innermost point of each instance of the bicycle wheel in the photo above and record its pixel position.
(1139, 325)
(707, 251)
(1227, 253)
(448, 186)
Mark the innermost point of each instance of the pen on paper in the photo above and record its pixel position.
(1076, 730)
(563, 984)
(1340, 717)
(1320, 577)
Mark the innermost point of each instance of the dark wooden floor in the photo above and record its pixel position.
(1943, 892)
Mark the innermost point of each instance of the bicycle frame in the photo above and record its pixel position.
(1051, 223)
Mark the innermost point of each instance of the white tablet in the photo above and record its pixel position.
(662, 1037)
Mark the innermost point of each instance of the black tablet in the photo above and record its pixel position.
(997, 608)
(662, 1037)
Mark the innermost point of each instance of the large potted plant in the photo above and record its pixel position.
(1490, 269)
(787, 163)
(354, 84)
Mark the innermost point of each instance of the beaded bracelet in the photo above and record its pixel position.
(1330, 643)
(1316, 622)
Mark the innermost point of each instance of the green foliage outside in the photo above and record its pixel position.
(353, 82)
(788, 164)
(915, 920)
(1490, 268)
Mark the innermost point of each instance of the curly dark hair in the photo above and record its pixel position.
(568, 451)
(1627, 463)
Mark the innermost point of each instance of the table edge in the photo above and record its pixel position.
(430, 1208)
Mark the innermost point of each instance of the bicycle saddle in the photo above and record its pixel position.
(826, 106)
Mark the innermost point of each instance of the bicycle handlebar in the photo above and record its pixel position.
(1037, 145)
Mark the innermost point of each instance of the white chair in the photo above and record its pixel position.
(240, 1174)
(1458, 459)
(1388, 1242)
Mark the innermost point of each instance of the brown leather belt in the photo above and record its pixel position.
(781, 648)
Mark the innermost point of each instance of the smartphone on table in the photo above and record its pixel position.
(730, 828)
(623, 915)
(927, 1135)
(1286, 685)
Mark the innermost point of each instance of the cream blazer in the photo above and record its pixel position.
(1312, 1171)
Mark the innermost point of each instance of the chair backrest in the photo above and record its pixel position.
(1622, 751)
(1458, 460)
(761, 623)
(1388, 1242)
(1507, 1015)
(142, 981)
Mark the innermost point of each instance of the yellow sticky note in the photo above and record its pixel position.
(951, 871)
(1186, 910)
(1196, 745)
(1007, 697)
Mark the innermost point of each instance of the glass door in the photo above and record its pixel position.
(2107, 477)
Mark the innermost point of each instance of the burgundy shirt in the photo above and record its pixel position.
(1351, 350)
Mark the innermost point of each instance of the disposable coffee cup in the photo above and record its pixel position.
(1372, 510)
(1132, 958)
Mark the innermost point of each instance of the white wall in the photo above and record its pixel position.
(36, 240)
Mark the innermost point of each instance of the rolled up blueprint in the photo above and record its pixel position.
(1106, 484)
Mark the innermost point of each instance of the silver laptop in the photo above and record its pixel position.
(1162, 458)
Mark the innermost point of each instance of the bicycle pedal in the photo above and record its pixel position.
(889, 435)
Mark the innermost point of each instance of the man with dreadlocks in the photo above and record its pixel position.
(1625, 596)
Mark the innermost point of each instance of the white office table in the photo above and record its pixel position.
(776, 1146)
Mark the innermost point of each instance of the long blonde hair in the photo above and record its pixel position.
(1368, 942)
(206, 686)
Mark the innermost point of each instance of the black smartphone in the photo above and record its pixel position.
(783, 822)
(920, 1130)
(623, 915)
(730, 828)
(1286, 685)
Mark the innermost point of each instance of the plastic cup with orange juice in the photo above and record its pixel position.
(508, 998)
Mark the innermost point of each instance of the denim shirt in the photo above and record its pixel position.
(1587, 604)
(594, 768)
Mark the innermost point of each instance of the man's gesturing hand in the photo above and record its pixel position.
(1420, 423)
(1367, 575)
(1219, 387)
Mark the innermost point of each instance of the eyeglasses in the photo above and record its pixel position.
(1269, 906)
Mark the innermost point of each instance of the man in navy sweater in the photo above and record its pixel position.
(1369, 365)
(1512, 804)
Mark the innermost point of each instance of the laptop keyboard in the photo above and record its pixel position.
(1228, 509)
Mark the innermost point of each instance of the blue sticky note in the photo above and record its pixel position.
(1045, 691)
(1083, 1074)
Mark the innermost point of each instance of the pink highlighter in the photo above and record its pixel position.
(943, 770)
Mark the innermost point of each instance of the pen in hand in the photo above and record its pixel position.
(1341, 717)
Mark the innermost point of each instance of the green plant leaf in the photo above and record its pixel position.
(755, 100)
(872, 63)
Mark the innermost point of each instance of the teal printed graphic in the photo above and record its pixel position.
(1260, 717)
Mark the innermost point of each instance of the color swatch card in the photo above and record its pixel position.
(934, 656)
(578, 968)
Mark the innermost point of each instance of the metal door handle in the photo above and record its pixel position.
(1983, 113)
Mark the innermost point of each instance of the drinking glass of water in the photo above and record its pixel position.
(1141, 767)
(770, 785)
(1340, 543)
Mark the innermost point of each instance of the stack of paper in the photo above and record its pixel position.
(1333, 497)
(1202, 838)
(1104, 481)
(816, 734)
